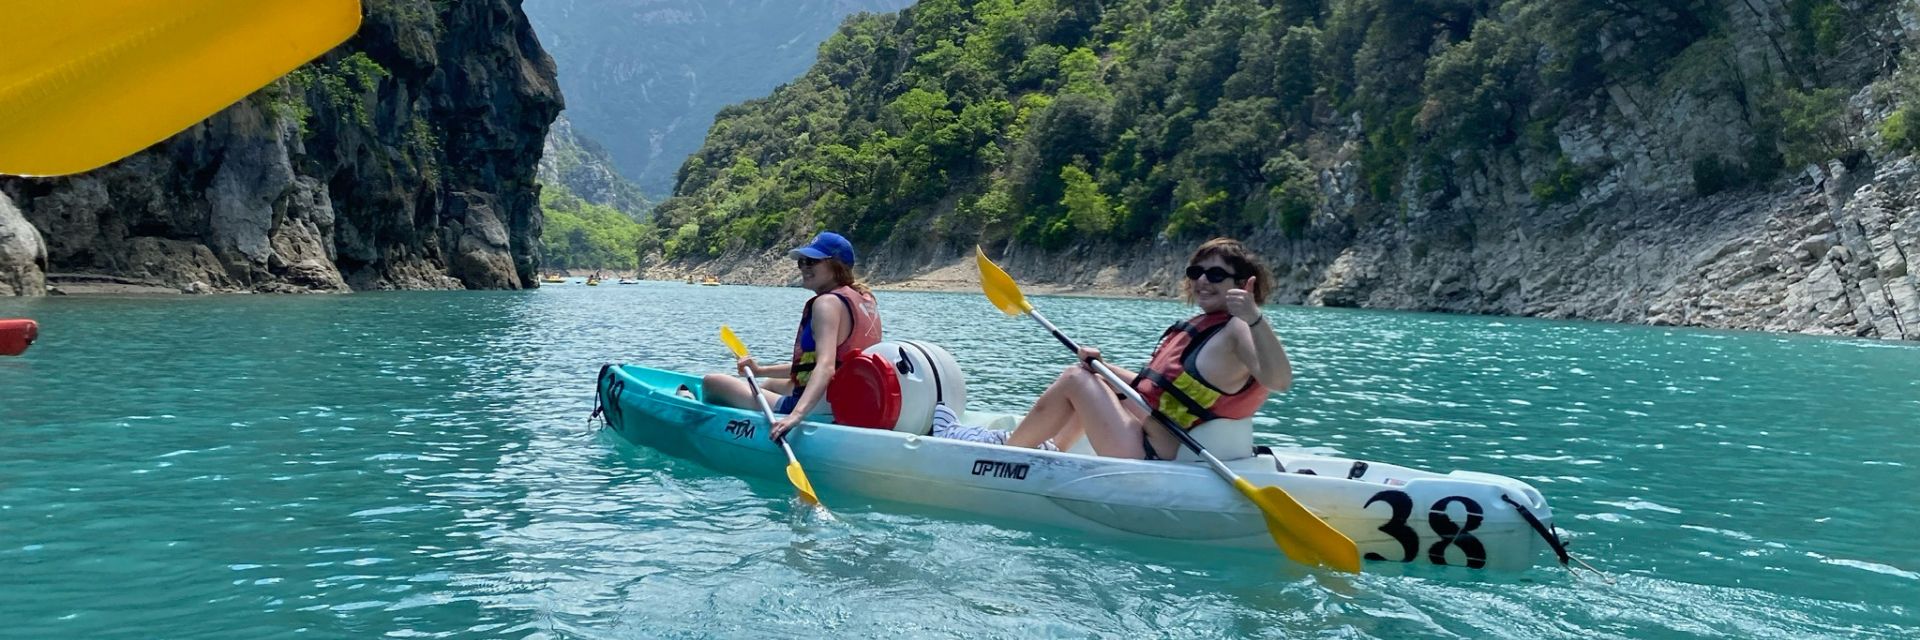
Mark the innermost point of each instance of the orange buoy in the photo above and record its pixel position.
(16, 334)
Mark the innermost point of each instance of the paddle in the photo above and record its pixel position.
(1303, 536)
(794, 473)
(83, 84)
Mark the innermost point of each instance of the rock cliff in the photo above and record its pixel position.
(23, 257)
(402, 160)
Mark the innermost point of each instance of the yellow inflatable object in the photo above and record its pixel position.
(84, 83)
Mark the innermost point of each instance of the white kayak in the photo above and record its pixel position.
(1394, 514)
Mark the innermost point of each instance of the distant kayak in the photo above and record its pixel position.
(1395, 514)
(16, 334)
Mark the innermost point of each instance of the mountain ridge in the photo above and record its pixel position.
(634, 85)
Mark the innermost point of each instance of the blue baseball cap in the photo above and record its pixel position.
(826, 245)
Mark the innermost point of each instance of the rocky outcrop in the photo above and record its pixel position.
(1828, 256)
(1851, 266)
(1825, 249)
(23, 258)
(402, 160)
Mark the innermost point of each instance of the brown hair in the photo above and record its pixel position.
(843, 275)
(1238, 258)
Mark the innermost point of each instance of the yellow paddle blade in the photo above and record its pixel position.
(799, 480)
(1304, 537)
(1000, 287)
(733, 341)
(86, 83)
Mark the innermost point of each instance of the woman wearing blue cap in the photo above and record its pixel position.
(839, 320)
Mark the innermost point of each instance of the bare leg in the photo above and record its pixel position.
(1071, 434)
(1049, 415)
(1079, 402)
(730, 391)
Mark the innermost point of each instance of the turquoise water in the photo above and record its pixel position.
(420, 465)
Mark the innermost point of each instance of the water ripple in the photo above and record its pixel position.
(419, 465)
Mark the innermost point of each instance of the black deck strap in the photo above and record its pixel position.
(1264, 450)
(939, 390)
(598, 399)
(903, 365)
(1359, 469)
(1308, 472)
(1553, 539)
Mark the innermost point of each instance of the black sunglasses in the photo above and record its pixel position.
(1213, 274)
(807, 262)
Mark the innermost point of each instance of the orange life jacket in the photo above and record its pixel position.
(862, 312)
(1172, 383)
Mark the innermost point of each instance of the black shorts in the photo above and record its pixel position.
(1146, 444)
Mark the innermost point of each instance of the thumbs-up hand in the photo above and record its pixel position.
(1240, 303)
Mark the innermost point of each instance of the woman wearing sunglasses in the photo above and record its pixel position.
(839, 320)
(1220, 364)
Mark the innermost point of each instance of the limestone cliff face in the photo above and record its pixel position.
(403, 159)
(1832, 255)
(1827, 248)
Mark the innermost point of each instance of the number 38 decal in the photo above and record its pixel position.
(1451, 534)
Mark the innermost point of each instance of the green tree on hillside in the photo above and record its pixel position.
(582, 235)
(1049, 122)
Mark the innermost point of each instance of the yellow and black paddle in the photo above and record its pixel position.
(1303, 536)
(86, 83)
(794, 474)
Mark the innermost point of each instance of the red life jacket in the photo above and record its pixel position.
(862, 312)
(1172, 383)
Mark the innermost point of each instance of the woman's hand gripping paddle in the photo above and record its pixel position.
(1303, 536)
(794, 474)
(86, 83)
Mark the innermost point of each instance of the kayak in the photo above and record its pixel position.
(16, 334)
(1394, 514)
